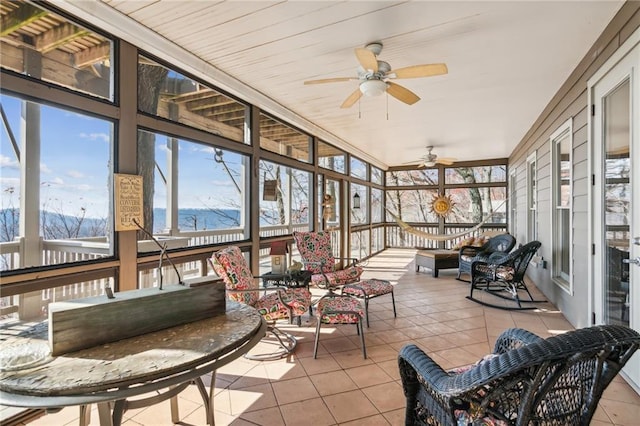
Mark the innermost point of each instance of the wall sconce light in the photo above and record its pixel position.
(356, 201)
(278, 255)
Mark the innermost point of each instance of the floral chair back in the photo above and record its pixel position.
(315, 250)
(230, 265)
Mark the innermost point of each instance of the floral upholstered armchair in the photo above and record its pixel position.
(276, 303)
(526, 381)
(317, 257)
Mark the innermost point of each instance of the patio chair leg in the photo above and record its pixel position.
(366, 309)
(393, 302)
(315, 346)
(364, 349)
(286, 341)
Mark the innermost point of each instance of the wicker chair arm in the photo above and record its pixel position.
(418, 368)
(469, 251)
(514, 338)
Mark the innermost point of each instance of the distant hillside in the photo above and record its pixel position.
(56, 226)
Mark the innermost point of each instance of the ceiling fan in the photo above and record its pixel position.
(430, 159)
(374, 77)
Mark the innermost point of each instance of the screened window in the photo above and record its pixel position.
(331, 158)
(359, 204)
(376, 175)
(474, 205)
(284, 201)
(55, 176)
(532, 198)
(412, 177)
(561, 149)
(412, 205)
(190, 191)
(55, 50)
(484, 174)
(358, 168)
(282, 139)
(376, 205)
(176, 97)
(513, 202)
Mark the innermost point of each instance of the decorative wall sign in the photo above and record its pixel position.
(442, 204)
(128, 204)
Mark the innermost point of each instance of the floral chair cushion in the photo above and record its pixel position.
(336, 278)
(505, 273)
(230, 265)
(316, 253)
(339, 310)
(472, 414)
(369, 287)
(271, 309)
(315, 249)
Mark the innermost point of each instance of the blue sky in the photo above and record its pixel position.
(76, 158)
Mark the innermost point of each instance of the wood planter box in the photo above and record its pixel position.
(83, 323)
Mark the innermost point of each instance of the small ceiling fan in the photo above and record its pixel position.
(374, 77)
(430, 159)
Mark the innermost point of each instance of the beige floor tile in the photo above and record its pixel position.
(349, 406)
(266, 417)
(380, 353)
(339, 344)
(321, 364)
(341, 387)
(386, 396)
(251, 398)
(621, 413)
(378, 420)
(395, 417)
(284, 369)
(391, 368)
(294, 390)
(368, 375)
(333, 382)
(309, 412)
(350, 359)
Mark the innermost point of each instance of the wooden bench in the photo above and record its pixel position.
(436, 260)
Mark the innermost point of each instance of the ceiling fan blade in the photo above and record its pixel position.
(401, 93)
(330, 80)
(446, 161)
(367, 59)
(415, 71)
(351, 99)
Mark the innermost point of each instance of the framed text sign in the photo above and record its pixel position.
(128, 194)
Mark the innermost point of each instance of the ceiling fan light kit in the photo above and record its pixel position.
(373, 87)
(375, 76)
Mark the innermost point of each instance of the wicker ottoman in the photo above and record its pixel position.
(436, 260)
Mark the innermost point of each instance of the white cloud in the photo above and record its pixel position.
(75, 174)
(96, 136)
(44, 168)
(9, 162)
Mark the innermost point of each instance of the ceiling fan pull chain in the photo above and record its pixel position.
(387, 106)
(359, 109)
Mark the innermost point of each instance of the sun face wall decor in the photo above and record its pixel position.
(442, 205)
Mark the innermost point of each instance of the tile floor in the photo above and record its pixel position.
(342, 388)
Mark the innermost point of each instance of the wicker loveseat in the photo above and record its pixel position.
(527, 381)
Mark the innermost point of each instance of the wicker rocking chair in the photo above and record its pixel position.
(502, 243)
(502, 275)
(526, 381)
